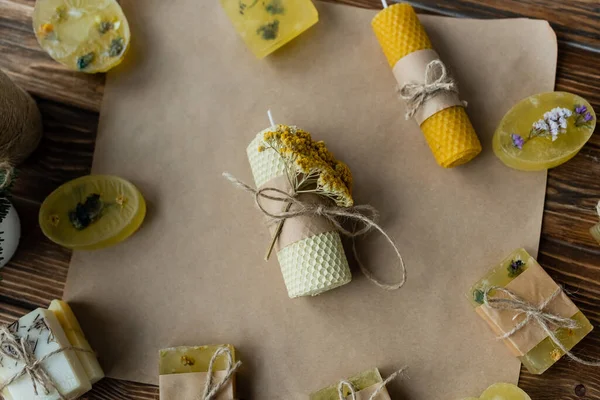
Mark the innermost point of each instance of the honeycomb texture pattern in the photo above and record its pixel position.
(312, 265)
(449, 133)
(595, 231)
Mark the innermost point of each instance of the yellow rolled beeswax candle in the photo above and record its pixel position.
(449, 132)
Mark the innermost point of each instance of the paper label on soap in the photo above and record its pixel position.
(411, 69)
(366, 393)
(534, 285)
(296, 228)
(190, 386)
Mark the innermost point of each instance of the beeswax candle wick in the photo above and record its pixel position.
(385, 5)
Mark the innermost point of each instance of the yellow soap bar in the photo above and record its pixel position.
(88, 36)
(449, 133)
(72, 329)
(266, 25)
(502, 391)
(184, 359)
(359, 382)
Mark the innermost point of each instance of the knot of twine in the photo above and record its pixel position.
(416, 94)
(364, 214)
(546, 320)
(20, 350)
(211, 389)
(345, 384)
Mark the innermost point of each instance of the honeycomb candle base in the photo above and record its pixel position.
(443, 119)
(522, 275)
(310, 251)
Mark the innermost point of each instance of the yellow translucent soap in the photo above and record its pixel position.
(85, 35)
(92, 212)
(266, 25)
(72, 329)
(502, 391)
(546, 353)
(359, 382)
(185, 359)
(544, 131)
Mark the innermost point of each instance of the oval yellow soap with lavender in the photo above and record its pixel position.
(266, 25)
(544, 131)
(85, 35)
(502, 391)
(92, 212)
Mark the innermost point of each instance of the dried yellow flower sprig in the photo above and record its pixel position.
(311, 168)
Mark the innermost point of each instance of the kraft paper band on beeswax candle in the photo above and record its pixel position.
(296, 228)
(534, 285)
(189, 386)
(413, 68)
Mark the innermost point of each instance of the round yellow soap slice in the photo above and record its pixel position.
(544, 131)
(92, 212)
(85, 35)
(504, 391)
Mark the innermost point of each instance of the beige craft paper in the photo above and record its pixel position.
(411, 69)
(190, 386)
(534, 285)
(183, 109)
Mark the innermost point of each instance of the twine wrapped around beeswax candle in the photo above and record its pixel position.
(20, 350)
(537, 314)
(345, 384)
(20, 122)
(211, 389)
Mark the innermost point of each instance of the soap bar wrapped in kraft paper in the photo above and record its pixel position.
(431, 94)
(368, 385)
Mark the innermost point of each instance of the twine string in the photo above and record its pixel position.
(345, 384)
(598, 208)
(437, 80)
(211, 389)
(6, 174)
(20, 350)
(362, 214)
(536, 313)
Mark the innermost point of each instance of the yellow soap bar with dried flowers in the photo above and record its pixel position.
(74, 333)
(89, 36)
(449, 133)
(266, 25)
(518, 271)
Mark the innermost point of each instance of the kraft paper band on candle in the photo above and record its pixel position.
(534, 285)
(189, 386)
(296, 228)
(412, 68)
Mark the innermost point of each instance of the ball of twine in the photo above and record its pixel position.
(20, 123)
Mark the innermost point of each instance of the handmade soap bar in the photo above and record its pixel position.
(89, 36)
(183, 372)
(310, 251)
(92, 212)
(502, 391)
(544, 131)
(44, 335)
(449, 132)
(595, 230)
(266, 25)
(521, 274)
(364, 385)
(72, 329)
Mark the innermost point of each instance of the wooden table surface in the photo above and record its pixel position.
(70, 104)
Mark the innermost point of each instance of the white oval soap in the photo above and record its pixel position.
(10, 233)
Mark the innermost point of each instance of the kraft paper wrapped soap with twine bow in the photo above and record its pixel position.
(368, 385)
(198, 373)
(530, 313)
(430, 93)
(306, 193)
(38, 361)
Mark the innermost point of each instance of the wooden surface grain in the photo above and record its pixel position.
(70, 103)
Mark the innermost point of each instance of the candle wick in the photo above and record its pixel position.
(385, 4)
(271, 117)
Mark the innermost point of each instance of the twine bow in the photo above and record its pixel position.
(211, 389)
(416, 94)
(20, 350)
(345, 384)
(364, 214)
(537, 313)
